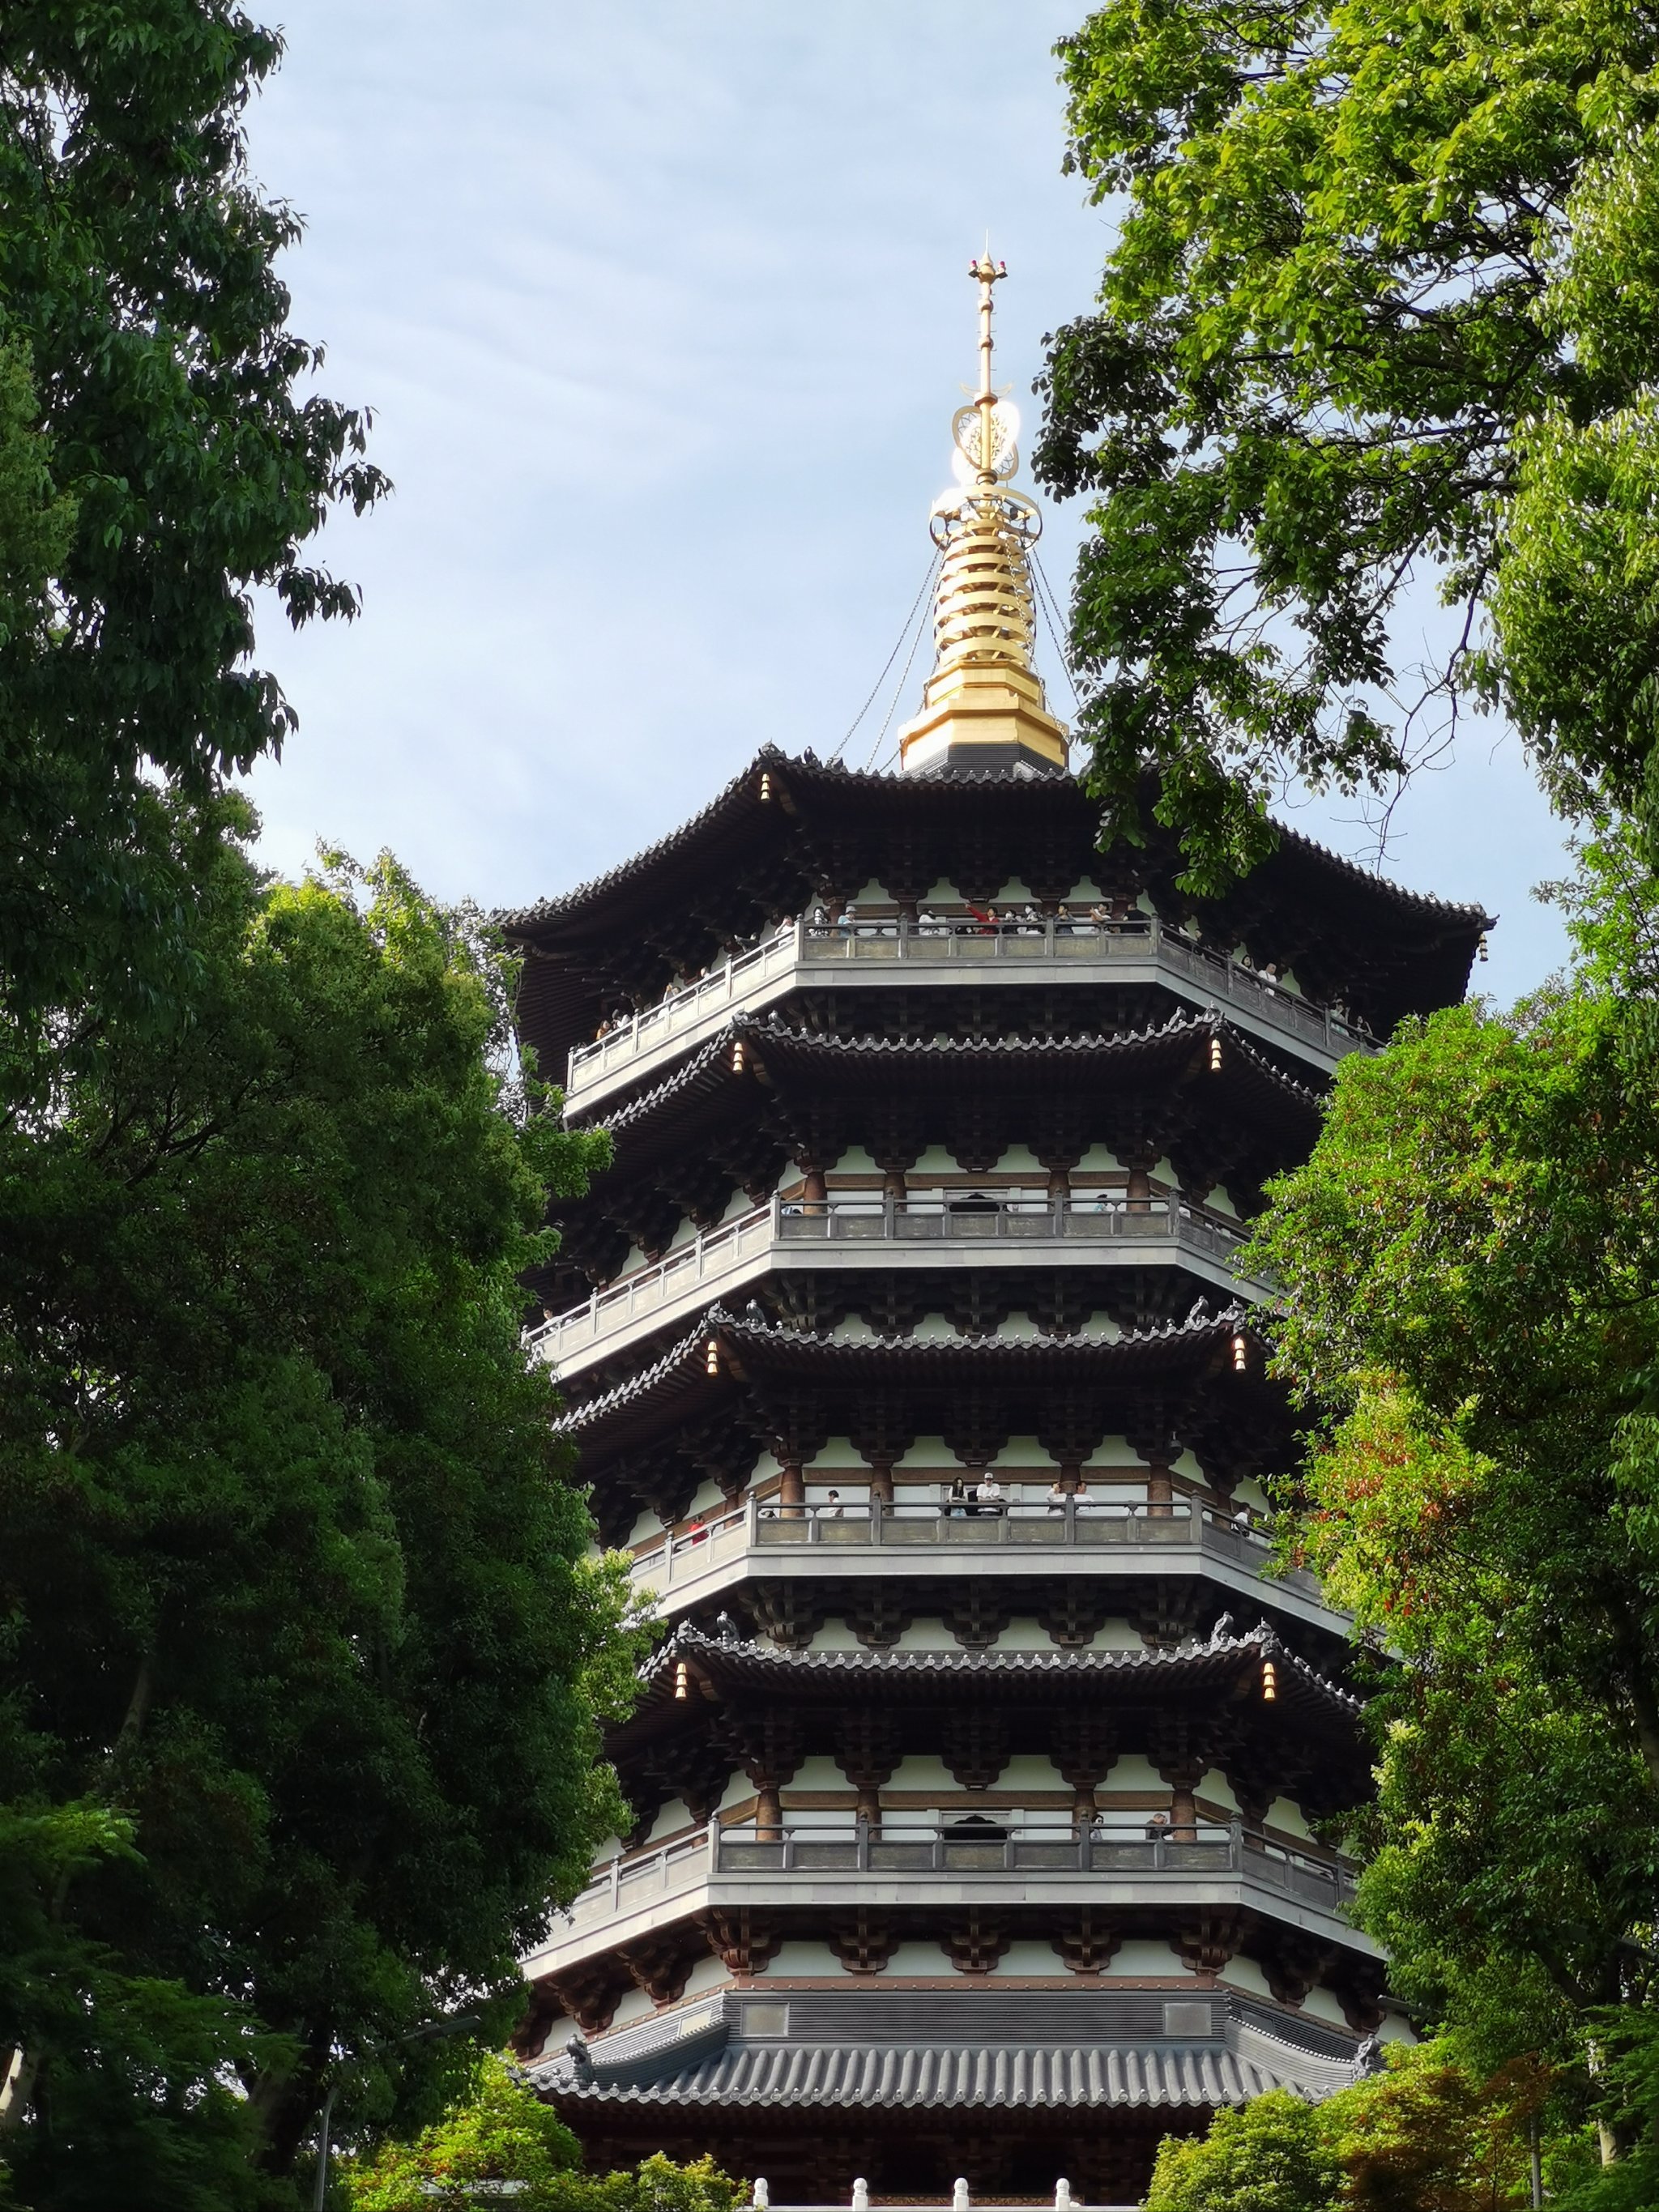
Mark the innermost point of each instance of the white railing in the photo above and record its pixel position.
(955, 941)
(721, 989)
(856, 1847)
(711, 1260)
(1093, 1521)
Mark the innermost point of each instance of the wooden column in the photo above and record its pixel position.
(769, 1813)
(1160, 1492)
(791, 1493)
(1139, 1191)
(1184, 1814)
(816, 1195)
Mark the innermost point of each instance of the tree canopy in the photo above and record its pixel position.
(303, 1663)
(161, 452)
(503, 2132)
(1468, 1261)
(1380, 311)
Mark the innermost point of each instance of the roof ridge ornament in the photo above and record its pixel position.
(984, 706)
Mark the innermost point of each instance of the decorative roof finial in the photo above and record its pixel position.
(983, 707)
(988, 273)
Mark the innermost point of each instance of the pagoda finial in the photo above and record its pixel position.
(988, 273)
(984, 706)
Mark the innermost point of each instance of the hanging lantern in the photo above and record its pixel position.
(682, 1682)
(1241, 1352)
(766, 785)
(1269, 1681)
(738, 1058)
(711, 1359)
(1215, 1055)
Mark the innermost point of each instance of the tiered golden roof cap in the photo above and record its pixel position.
(984, 705)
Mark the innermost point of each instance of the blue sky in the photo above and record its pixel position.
(663, 313)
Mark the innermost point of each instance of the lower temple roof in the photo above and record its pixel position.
(1243, 2057)
(903, 2074)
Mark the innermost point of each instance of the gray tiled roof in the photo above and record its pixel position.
(906, 2074)
(1216, 1657)
(682, 1363)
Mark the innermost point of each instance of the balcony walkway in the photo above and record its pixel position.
(879, 953)
(1097, 1535)
(1000, 1226)
(717, 1869)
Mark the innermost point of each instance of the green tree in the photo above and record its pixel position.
(1273, 2154)
(1468, 1261)
(1425, 2135)
(503, 2132)
(1381, 308)
(160, 455)
(302, 1662)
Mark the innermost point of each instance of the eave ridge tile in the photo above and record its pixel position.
(911, 2075)
(684, 1077)
(765, 1029)
(1262, 1641)
(688, 1349)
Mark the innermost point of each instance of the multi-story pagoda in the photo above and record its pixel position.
(977, 1782)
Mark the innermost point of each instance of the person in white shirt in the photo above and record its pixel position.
(990, 1493)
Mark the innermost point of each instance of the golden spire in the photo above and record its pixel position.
(984, 706)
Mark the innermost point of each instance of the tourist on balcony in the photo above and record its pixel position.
(957, 1505)
(990, 1495)
(834, 1510)
(1057, 1496)
(929, 925)
(1157, 1827)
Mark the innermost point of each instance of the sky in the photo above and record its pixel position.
(662, 313)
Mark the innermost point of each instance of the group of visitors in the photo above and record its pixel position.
(966, 1501)
(1028, 921)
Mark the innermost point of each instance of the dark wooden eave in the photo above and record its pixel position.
(1203, 1700)
(788, 831)
(1166, 1388)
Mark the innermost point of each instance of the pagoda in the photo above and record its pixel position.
(978, 1779)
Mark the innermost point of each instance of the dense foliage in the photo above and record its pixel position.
(1380, 313)
(503, 2132)
(1469, 1260)
(302, 1662)
(1424, 2136)
(159, 456)
(1379, 316)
